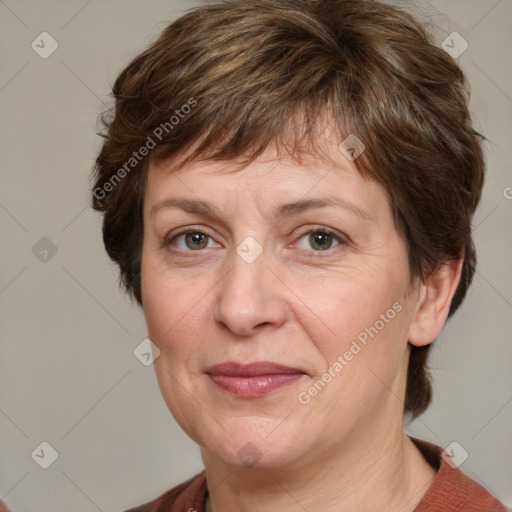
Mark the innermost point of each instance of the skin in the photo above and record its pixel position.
(295, 305)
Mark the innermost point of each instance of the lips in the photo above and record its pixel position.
(253, 379)
(234, 369)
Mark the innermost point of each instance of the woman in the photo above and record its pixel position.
(288, 188)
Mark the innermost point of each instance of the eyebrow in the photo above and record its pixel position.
(283, 210)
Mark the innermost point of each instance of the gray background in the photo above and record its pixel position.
(68, 375)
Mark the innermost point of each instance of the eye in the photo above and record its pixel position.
(321, 239)
(192, 240)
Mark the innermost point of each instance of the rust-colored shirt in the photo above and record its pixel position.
(451, 491)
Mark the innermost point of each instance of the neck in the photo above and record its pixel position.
(367, 473)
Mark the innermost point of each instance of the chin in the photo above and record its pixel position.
(254, 450)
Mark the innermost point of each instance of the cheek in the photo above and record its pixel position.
(367, 342)
(350, 306)
(176, 312)
(173, 317)
(164, 304)
(158, 304)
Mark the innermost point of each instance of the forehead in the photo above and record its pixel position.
(313, 155)
(275, 177)
(277, 186)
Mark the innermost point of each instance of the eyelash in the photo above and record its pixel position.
(342, 240)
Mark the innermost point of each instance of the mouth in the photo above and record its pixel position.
(253, 379)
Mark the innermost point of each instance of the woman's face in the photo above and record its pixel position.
(254, 285)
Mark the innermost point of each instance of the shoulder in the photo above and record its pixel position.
(451, 488)
(187, 496)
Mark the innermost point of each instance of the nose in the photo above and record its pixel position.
(251, 297)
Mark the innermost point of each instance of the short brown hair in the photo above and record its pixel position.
(268, 72)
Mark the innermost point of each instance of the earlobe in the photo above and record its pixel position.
(435, 297)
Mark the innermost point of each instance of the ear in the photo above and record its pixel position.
(435, 297)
